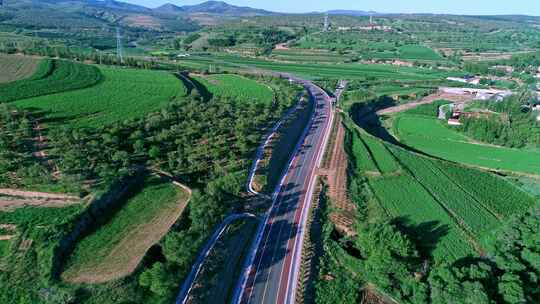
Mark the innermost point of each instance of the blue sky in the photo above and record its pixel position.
(484, 7)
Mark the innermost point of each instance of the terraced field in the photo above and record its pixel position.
(311, 71)
(453, 216)
(14, 68)
(116, 248)
(441, 141)
(121, 94)
(51, 76)
(236, 87)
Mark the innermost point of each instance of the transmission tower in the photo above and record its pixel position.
(119, 45)
(326, 23)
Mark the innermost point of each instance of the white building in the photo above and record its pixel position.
(469, 80)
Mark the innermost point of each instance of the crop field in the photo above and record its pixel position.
(438, 194)
(51, 76)
(445, 143)
(348, 70)
(305, 56)
(384, 160)
(363, 159)
(236, 87)
(418, 52)
(16, 67)
(122, 94)
(116, 248)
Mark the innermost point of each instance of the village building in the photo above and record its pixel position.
(480, 94)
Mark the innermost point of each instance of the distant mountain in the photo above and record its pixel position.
(116, 5)
(352, 13)
(213, 7)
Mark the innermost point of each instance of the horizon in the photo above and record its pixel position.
(457, 7)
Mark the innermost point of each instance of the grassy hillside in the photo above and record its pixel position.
(236, 87)
(115, 249)
(51, 76)
(121, 94)
(16, 67)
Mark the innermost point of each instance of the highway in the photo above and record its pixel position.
(272, 272)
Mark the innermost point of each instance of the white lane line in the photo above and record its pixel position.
(301, 230)
(297, 174)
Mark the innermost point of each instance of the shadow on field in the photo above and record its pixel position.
(426, 235)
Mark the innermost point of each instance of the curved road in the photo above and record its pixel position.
(272, 274)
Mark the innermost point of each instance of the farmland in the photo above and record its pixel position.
(446, 143)
(14, 68)
(352, 71)
(52, 76)
(236, 87)
(105, 103)
(115, 249)
(433, 191)
(121, 94)
(413, 52)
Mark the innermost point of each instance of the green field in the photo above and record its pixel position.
(437, 194)
(418, 52)
(122, 94)
(431, 136)
(236, 87)
(311, 71)
(16, 67)
(4, 248)
(115, 248)
(51, 76)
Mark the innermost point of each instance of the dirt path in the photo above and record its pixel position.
(426, 100)
(336, 175)
(41, 145)
(35, 194)
(11, 199)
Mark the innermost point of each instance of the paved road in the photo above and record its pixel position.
(272, 273)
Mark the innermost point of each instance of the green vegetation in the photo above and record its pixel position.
(14, 68)
(508, 123)
(114, 249)
(19, 168)
(430, 109)
(384, 160)
(29, 260)
(238, 88)
(418, 52)
(351, 71)
(122, 94)
(446, 143)
(207, 144)
(52, 76)
(421, 248)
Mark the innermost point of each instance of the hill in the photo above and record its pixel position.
(351, 13)
(214, 8)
